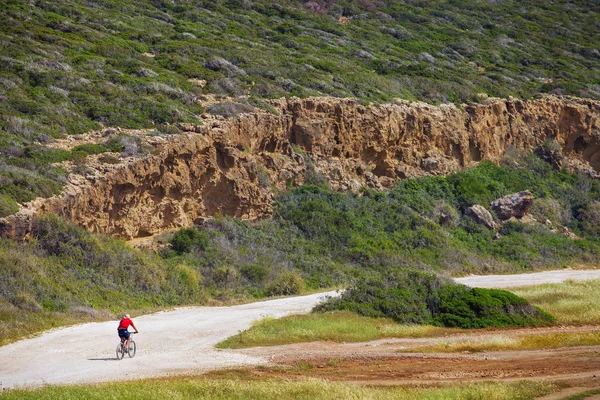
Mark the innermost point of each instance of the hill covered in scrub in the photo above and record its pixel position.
(69, 66)
(317, 238)
(129, 118)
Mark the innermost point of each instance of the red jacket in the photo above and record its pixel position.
(125, 323)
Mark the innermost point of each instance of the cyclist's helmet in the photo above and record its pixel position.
(127, 316)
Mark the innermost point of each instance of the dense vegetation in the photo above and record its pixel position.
(69, 66)
(331, 238)
(416, 297)
(317, 239)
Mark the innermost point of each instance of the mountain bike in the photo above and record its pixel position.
(121, 348)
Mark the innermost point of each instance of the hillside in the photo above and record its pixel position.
(67, 67)
(288, 141)
(317, 239)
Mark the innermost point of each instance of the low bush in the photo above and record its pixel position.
(286, 283)
(187, 239)
(590, 218)
(90, 148)
(168, 129)
(424, 298)
(254, 272)
(8, 206)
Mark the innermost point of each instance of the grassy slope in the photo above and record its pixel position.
(69, 66)
(570, 302)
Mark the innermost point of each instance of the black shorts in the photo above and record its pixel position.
(123, 333)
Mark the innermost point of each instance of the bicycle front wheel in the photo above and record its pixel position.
(131, 350)
(120, 351)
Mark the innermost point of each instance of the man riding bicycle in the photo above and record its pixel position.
(123, 329)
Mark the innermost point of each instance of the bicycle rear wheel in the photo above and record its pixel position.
(131, 350)
(120, 351)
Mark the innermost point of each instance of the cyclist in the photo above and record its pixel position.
(123, 329)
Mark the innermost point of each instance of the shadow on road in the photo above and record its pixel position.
(103, 359)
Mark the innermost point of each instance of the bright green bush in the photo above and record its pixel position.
(90, 148)
(8, 206)
(424, 298)
(255, 272)
(185, 239)
(286, 283)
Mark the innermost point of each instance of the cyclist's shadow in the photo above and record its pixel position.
(103, 359)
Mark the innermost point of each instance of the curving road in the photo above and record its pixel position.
(175, 342)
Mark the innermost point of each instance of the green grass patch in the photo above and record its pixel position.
(570, 302)
(504, 342)
(337, 326)
(16, 324)
(303, 389)
(584, 395)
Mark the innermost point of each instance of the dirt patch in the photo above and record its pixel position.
(416, 369)
(387, 362)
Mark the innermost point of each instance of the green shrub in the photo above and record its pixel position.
(464, 307)
(424, 298)
(225, 276)
(90, 148)
(254, 272)
(551, 209)
(590, 218)
(286, 283)
(8, 205)
(168, 129)
(186, 280)
(185, 239)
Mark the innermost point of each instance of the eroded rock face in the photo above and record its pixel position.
(232, 167)
(513, 205)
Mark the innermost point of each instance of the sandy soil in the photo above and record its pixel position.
(391, 362)
(182, 342)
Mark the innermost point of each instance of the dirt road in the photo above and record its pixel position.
(536, 278)
(174, 342)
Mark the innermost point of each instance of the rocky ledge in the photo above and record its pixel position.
(234, 166)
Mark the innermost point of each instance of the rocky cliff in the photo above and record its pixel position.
(234, 166)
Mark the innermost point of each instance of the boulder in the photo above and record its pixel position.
(480, 215)
(513, 205)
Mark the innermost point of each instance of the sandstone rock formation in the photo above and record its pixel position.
(233, 166)
(513, 205)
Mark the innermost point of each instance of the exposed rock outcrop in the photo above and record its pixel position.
(233, 166)
(513, 205)
(479, 214)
